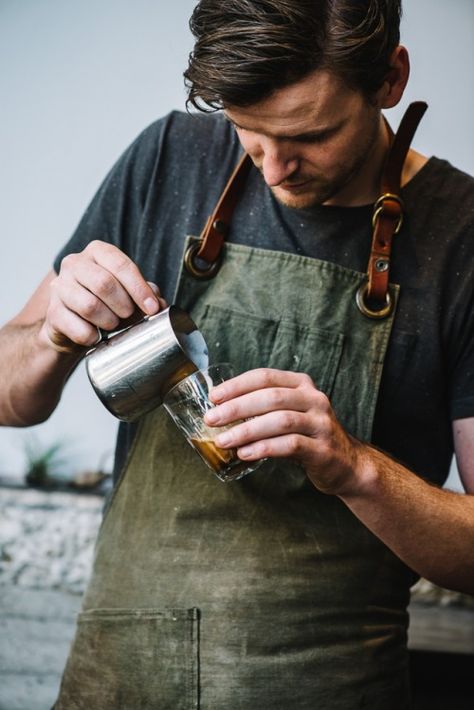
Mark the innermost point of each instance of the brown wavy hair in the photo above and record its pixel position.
(246, 49)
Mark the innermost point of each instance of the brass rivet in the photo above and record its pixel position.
(219, 226)
(381, 265)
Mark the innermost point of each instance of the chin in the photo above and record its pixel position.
(303, 200)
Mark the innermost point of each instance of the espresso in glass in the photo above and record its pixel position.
(187, 402)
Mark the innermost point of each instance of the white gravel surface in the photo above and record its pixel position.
(46, 548)
(47, 538)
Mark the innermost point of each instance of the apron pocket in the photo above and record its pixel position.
(315, 351)
(249, 341)
(243, 339)
(133, 658)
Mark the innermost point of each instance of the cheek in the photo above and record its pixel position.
(325, 157)
(250, 144)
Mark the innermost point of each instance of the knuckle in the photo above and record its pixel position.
(294, 444)
(244, 430)
(266, 375)
(323, 401)
(288, 421)
(321, 425)
(54, 287)
(320, 400)
(275, 397)
(324, 428)
(94, 245)
(89, 307)
(68, 262)
(123, 263)
(231, 412)
(104, 284)
(306, 381)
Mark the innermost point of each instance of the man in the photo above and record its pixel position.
(287, 589)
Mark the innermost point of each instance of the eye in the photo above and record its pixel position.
(312, 138)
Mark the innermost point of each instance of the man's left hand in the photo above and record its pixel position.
(285, 415)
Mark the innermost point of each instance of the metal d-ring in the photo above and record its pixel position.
(379, 206)
(377, 314)
(208, 272)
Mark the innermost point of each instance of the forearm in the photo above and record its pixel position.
(281, 414)
(32, 375)
(430, 529)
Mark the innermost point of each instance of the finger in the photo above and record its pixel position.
(101, 284)
(89, 307)
(257, 403)
(288, 446)
(69, 331)
(266, 426)
(127, 274)
(262, 378)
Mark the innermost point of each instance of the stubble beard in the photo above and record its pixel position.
(319, 190)
(317, 193)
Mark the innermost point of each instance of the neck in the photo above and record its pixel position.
(364, 185)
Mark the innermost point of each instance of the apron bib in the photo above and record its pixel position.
(263, 592)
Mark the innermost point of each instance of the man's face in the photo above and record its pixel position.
(315, 142)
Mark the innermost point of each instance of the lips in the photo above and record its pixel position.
(294, 186)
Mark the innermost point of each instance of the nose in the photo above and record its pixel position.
(277, 165)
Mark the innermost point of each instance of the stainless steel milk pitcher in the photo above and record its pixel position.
(132, 370)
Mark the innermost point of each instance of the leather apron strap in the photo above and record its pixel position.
(373, 299)
(202, 259)
(212, 237)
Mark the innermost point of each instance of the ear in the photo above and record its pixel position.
(396, 80)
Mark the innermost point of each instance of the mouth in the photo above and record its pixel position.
(294, 186)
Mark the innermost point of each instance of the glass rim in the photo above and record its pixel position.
(193, 374)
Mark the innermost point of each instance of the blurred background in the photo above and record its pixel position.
(80, 80)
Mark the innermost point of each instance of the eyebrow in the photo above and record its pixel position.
(292, 137)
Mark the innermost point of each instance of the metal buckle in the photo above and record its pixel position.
(378, 209)
(207, 272)
(378, 313)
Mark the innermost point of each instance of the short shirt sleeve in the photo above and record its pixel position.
(116, 209)
(462, 354)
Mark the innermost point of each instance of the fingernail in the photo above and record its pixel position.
(223, 439)
(151, 305)
(215, 394)
(211, 417)
(246, 451)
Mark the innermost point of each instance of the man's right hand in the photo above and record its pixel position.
(99, 288)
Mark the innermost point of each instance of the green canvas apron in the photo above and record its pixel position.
(262, 593)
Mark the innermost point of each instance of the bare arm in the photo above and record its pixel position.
(430, 529)
(32, 373)
(39, 348)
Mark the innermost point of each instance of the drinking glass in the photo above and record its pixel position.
(187, 402)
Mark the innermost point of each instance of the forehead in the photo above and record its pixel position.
(316, 101)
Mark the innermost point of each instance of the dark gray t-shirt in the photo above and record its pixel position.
(167, 183)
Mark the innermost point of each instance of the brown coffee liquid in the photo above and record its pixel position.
(217, 458)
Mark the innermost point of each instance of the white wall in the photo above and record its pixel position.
(80, 79)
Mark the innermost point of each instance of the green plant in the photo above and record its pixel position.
(42, 462)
